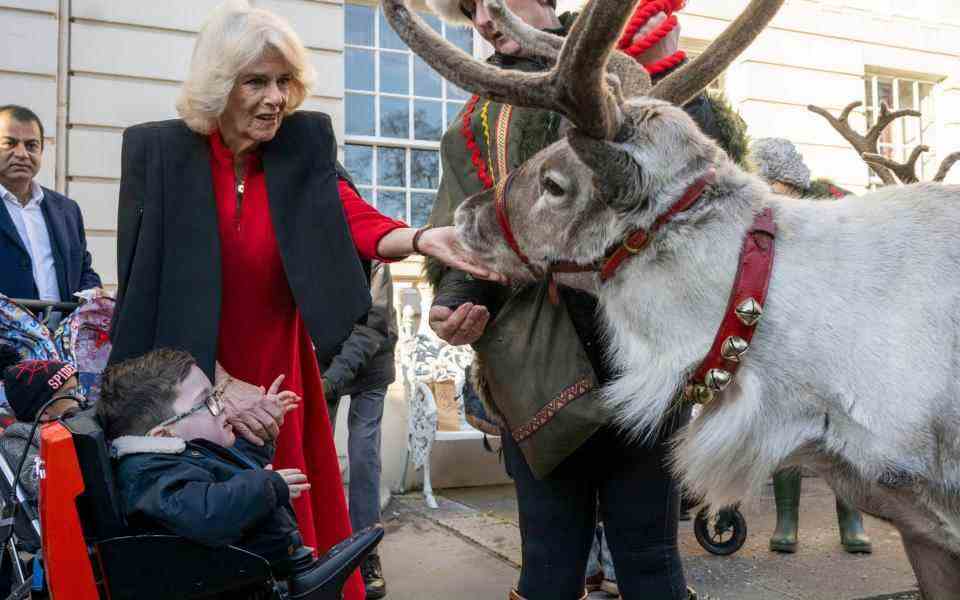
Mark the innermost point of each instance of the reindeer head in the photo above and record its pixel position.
(622, 158)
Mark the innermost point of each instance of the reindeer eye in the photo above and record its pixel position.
(553, 188)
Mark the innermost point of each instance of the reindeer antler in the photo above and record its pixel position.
(532, 40)
(866, 145)
(682, 85)
(905, 172)
(576, 86)
(945, 166)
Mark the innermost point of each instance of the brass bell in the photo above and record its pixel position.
(698, 393)
(749, 312)
(733, 348)
(717, 379)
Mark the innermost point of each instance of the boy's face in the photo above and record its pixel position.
(201, 425)
(65, 401)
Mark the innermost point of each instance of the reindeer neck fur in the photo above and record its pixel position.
(664, 306)
(828, 389)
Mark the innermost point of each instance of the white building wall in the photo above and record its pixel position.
(125, 60)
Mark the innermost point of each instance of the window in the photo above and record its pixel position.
(397, 108)
(904, 134)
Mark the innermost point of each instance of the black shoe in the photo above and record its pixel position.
(372, 574)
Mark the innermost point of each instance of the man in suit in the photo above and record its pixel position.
(43, 248)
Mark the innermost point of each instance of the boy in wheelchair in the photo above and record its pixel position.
(180, 469)
(29, 386)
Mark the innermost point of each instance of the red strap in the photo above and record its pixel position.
(637, 240)
(752, 281)
(500, 204)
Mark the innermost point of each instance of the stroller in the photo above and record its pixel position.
(75, 544)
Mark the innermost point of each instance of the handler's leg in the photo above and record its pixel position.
(640, 504)
(557, 524)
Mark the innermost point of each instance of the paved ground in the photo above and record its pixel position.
(469, 549)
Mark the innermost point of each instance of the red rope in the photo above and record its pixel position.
(643, 14)
(467, 130)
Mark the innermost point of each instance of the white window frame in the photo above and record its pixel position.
(901, 151)
(410, 143)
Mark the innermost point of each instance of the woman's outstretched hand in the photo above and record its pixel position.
(441, 243)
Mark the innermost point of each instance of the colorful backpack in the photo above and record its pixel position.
(26, 334)
(83, 338)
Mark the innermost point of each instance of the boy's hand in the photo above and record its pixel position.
(278, 404)
(296, 480)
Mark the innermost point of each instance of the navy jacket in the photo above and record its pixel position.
(68, 241)
(209, 494)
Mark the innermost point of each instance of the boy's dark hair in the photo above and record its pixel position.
(24, 115)
(138, 393)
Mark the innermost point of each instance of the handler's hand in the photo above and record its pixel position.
(462, 326)
(441, 243)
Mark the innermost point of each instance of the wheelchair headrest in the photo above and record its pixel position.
(98, 505)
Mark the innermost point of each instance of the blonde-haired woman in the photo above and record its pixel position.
(241, 240)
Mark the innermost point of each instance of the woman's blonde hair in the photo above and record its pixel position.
(234, 37)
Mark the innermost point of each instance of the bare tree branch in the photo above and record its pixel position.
(905, 172)
(945, 166)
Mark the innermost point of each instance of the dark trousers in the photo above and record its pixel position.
(638, 503)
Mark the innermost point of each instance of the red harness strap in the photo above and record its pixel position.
(500, 205)
(638, 240)
(743, 311)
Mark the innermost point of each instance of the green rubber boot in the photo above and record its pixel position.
(786, 490)
(852, 535)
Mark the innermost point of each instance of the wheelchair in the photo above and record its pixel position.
(89, 554)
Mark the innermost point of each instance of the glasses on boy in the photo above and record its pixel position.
(212, 402)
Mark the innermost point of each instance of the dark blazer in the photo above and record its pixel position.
(71, 259)
(168, 244)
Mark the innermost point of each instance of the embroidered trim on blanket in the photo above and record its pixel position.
(550, 410)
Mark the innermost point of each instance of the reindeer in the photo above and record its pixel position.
(854, 366)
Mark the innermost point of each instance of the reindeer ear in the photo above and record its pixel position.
(617, 178)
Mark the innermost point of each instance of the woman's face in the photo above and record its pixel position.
(256, 103)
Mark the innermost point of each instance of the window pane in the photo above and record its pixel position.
(395, 117)
(366, 192)
(359, 69)
(905, 89)
(885, 91)
(455, 93)
(392, 204)
(427, 120)
(432, 20)
(394, 73)
(359, 111)
(388, 37)
(392, 169)
(426, 81)
(420, 206)
(359, 24)
(359, 163)
(462, 37)
(425, 169)
(453, 112)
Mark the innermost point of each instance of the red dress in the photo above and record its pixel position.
(262, 335)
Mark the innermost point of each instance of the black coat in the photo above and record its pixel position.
(168, 246)
(209, 494)
(68, 240)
